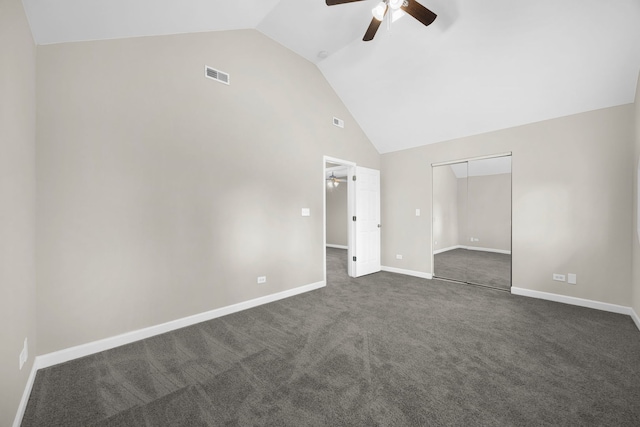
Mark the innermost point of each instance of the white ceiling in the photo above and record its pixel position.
(481, 66)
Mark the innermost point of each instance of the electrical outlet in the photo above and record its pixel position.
(262, 279)
(398, 256)
(558, 277)
(417, 212)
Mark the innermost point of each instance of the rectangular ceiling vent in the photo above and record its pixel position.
(338, 122)
(214, 74)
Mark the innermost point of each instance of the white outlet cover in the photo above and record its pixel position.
(417, 212)
(559, 277)
(571, 279)
(398, 256)
(306, 212)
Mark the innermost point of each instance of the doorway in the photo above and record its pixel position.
(471, 236)
(339, 205)
(336, 216)
(361, 216)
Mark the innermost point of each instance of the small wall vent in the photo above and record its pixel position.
(338, 122)
(214, 74)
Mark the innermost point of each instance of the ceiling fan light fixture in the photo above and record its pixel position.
(395, 4)
(332, 181)
(379, 11)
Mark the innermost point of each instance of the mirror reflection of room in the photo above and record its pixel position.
(472, 222)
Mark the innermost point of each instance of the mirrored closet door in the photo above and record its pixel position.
(472, 221)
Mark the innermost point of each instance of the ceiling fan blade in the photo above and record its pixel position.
(371, 31)
(418, 11)
(334, 2)
(373, 27)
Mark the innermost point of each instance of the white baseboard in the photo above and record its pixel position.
(25, 394)
(407, 272)
(50, 359)
(497, 251)
(635, 318)
(450, 248)
(472, 248)
(581, 302)
(336, 246)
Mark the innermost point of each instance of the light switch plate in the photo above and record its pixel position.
(417, 212)
(306, 212)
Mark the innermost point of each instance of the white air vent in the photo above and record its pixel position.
(338, 122)
(214, 74)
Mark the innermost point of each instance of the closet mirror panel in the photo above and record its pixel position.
(489, 222)
(449, 221)
(472, 222)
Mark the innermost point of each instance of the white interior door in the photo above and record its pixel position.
(367, 223)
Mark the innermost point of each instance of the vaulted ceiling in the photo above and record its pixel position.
(481, 66)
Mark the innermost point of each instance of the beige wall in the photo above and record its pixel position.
(337, 226)
(463, 209)
(484, 211)
(445, 208)
(636, 175)
(163, 194)
(17, 203)
(571, 201)
(488, 212)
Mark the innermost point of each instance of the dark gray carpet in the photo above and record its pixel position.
(477, 267)
(382, 350)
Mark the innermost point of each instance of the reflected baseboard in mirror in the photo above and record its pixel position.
(475, 267)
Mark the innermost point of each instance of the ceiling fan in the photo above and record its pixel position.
(412, 7)
(333, 181)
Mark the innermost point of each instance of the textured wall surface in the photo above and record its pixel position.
(337, 226)
(17, 204)
(163, 193)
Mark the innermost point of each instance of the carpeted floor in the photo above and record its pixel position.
(477, 267)
(381, 350)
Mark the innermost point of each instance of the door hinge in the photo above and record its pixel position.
(354, 218)
(354, 177)
(354, 258)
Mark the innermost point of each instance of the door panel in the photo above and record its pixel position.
(367, 224)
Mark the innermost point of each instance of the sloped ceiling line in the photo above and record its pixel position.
(481, 66)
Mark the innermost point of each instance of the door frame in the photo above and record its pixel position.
(351, 206)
